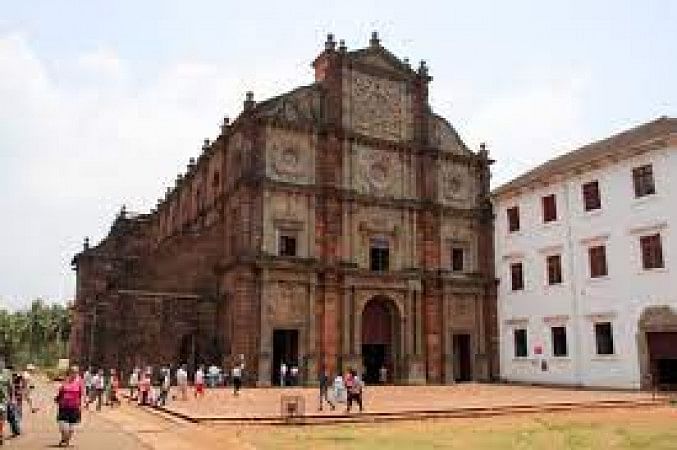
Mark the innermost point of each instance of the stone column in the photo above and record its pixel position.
(416, 361)
(311, 376)
(481, 366)
(266, 338)
(447, 341)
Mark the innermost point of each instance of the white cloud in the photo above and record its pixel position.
(78, 138)
(535, 120)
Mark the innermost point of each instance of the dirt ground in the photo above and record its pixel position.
(265, 402)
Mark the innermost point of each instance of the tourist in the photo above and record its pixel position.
(12, 409)
(68, 401)
(237, 379)
(144, 388)
(214, 375)
(30, 384)
(294, 374)
(5, 381)
(99, 385)
(164, 387)
(199, 382)
(114, 382)
(182, 382)
(283, 374)
(88, 380)
(134, 384)
(354, 387)
(19, 390)
(339, 389)
(383, 375)
(324, 389)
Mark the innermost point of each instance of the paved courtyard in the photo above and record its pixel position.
(265, 402)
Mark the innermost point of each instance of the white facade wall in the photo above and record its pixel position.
(580, 300)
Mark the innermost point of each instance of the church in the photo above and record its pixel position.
(340, 225)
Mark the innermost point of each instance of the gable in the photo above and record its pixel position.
(381, 59)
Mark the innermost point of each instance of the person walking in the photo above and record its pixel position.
(99, 386)
(164, 387)
(114, 399)
(354, 387)
(88, 380)
(5, 384)
(182, 382)
(144, 388)
(324, 390)
(68, 400)
(199, 382)
(134, 384)
(237, 379)
(339, 389)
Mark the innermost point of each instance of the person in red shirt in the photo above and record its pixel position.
(68, 401)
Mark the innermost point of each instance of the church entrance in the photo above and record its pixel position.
(285, 350)
(663, 358)
(462, 364)
(380, 326)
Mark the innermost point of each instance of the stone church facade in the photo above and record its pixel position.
(342, 224)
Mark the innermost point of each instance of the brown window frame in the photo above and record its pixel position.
(517, 283)
(554, 269)
(591, 196)
(643, 180)
(598, 261)
(513, 216)
(651, 247)
(549, 205)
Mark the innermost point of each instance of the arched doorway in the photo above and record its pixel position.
(380, 337)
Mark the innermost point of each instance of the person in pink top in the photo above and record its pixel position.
(68, 401)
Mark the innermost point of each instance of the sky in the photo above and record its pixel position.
(102, 103)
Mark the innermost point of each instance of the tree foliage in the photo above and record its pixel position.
(38, 334)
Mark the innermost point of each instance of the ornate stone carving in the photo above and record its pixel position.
(288, 156)
(377, 106)
(455, 182)
(377, 171)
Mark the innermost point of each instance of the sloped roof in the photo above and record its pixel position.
(658, 128)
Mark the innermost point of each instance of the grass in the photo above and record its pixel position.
(647, 429)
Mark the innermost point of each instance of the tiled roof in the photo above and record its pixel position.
(661, 127)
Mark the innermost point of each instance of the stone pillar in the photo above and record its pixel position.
(266, 338)
(311, 358)
(447, 340)
(481, 366)
(416, 362)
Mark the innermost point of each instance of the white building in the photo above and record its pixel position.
(586, 256)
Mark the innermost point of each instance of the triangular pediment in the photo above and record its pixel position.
(380, 58)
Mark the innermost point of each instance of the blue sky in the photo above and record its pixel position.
(102, 103)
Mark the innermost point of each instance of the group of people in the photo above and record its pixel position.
(347, 388)
(16, 387)
(289, 375)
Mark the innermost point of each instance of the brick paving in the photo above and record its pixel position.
(265, 402)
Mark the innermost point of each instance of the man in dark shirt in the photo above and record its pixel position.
(324, 389)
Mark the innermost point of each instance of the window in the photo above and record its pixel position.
(517, 277)
(604, 338)
(287, 245)
(549, 208)
(513, 218)
(597, 256)
(554, 263)
(559, 341)
(591, 198)
(642, 178)
(379, 254)
(520, 336)
(457, 255)
(652, 251)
